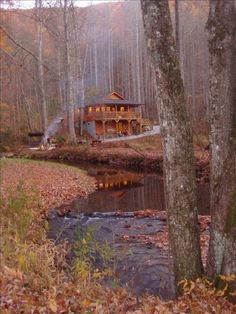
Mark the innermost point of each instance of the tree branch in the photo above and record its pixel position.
(21, 46)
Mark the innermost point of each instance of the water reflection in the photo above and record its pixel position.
(118, 180)
(129, 191)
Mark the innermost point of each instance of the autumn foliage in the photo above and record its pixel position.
(35, 276)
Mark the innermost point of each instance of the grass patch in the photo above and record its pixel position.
(26, 252)
(44, 164)
(150, 144)
(87, 251)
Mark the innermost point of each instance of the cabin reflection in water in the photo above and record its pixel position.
(123, 190)
(118, 180)
(128, 191)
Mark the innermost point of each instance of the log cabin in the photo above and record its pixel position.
(113, 116)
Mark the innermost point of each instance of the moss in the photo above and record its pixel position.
(13, 161)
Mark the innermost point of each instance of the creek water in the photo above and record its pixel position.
(140, 266)
(130, 191)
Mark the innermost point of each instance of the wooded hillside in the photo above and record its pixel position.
(108, 52)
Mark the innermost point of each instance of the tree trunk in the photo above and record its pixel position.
(39, 6)
(69, 77)
(176, 136)
(221, 28)
(61, 96)
(137, 43)
(177, 39)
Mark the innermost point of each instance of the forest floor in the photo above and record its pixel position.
(35, 275)
(139, 154)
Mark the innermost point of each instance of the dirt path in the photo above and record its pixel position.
(155, 131)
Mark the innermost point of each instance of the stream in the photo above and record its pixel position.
(130, 191)
(140, 266)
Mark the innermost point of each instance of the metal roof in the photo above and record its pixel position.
(114, 102)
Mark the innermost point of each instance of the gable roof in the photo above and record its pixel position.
(111, 99)
(116, 95)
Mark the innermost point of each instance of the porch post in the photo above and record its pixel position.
(129, 131)
(103, 128)
(117, 128)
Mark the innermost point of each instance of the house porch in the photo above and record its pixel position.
(114, 128)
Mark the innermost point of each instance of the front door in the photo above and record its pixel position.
(120, 126)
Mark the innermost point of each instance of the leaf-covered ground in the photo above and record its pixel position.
(34, 275)
(54, 184)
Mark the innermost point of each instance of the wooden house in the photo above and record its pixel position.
(113, 116)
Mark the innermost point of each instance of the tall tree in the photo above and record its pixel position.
(221, 27)
(176, 137)
(68, 74)
(39, 11)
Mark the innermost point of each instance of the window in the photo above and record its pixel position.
(97, 109)
(122, 109)
(108, 108)
(90, 109)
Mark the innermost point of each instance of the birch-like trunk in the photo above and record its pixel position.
(69, 76)
(137, 39)
(176, 136)
(61, 96)
(221, 28)
(39, 6)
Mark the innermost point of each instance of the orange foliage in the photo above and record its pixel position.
(4, 45)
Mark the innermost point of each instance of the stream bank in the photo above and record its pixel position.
(116, 155)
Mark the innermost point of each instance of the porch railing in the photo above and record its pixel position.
(91, 116)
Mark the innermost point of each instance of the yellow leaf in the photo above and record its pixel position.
(86, 303)
(228, 278)
(191, 287)
(52, 304)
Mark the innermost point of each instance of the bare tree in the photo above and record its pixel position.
(176, 136)
(80, 48)
(116, 57)
(39, 8)
(221, 27)
(68, 74)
